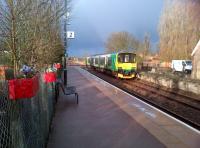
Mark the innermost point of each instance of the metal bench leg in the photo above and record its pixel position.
(76, 95)
(56, 91)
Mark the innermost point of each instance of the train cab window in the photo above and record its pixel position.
(126, 58)
(120, 59)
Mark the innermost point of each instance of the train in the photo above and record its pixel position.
(121, 64)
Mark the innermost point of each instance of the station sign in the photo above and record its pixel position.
(70, 34)
(66, 15)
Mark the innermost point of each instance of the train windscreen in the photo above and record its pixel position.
(126, 58)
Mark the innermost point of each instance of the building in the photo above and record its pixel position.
(196, 61)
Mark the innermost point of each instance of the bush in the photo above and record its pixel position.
(9, 74)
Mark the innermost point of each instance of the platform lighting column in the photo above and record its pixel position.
(65, 44)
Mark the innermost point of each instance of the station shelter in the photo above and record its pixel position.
(196, 61)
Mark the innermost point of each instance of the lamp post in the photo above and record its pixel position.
(65, 44)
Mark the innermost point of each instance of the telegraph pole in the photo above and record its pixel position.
(65, 44)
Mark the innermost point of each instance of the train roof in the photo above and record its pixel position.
(111, 53)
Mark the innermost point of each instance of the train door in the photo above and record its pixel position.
(106, 62)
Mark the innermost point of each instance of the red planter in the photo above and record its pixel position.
(57, 65)
(49, 77)
(23, 88)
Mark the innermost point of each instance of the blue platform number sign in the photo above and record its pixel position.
(70, 34)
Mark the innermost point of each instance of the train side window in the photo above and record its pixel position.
(96, 61)
(106, 60)
(109, 61)
(102, 60)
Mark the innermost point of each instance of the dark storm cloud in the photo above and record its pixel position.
(86, 35)
(94, 20)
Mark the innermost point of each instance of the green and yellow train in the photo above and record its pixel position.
(121, 64)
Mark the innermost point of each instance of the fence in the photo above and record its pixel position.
(162, 67)
(25, 123)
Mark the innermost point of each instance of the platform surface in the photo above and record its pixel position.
(107, 117)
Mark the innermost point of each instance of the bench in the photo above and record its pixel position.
(67, 90)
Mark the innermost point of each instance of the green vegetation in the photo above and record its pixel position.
(9, 74)
(5, 59)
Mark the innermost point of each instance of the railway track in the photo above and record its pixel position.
(175, 103)
(182, 99)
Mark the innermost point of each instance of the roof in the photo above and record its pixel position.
(196, 48)
(122, 51)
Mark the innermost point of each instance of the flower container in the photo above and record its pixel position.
(57, 66)
(23, 88)
(49, 77)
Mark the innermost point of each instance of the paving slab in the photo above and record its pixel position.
(170, 131)
(98, 121)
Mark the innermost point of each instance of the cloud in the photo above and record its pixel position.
(94, 20)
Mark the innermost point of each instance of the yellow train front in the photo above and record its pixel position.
(122, 64)
(126, 65)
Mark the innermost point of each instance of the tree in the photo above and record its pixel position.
(118, 41)
(179, 29)
(30, 31)
(145, 47)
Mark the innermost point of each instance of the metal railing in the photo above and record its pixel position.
(26, 123)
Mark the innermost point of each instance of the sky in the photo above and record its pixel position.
(94, 20)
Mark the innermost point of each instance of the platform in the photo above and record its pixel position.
(107, 117)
